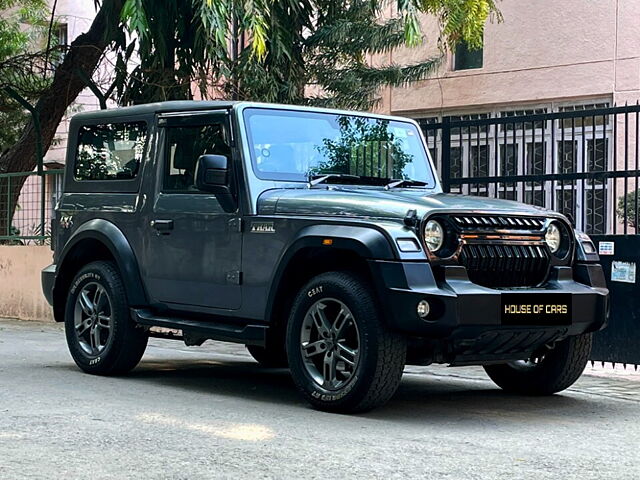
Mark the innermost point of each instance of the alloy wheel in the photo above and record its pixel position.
(92, 318)
(330, 343)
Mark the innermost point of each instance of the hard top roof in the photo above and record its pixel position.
(195, 105)
(151, 108)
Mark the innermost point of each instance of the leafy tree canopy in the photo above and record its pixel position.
(18, 66)
(628, 208)
(305, 51)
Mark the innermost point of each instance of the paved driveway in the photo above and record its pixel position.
(211, 412)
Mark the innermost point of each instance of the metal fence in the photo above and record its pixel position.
(27, 199)
(583, 163)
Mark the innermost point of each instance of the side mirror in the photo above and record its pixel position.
(213, 175)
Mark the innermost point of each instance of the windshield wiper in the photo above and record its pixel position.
(317, 179)
(406, 182)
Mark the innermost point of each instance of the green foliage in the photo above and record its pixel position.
(632, 211)
(20, 68)
(304, 51)
(460, 19)
(178, 43)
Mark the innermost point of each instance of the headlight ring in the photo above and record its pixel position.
(558, 239)
(553, 237)
(433, 235)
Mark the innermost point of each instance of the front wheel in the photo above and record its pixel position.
(101, 336)
(341, 355)
(550, 373)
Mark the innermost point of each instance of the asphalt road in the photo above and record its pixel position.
(211, 412)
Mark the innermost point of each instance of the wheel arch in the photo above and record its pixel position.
(97, 239)
(310, 254)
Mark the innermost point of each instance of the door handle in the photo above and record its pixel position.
(162, 225)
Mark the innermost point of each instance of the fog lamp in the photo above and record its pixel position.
(423, 308)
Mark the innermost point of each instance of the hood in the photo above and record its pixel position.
(377, 203)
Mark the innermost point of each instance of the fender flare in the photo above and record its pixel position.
(111, 237)
(366, 242)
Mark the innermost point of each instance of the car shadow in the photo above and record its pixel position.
(429, 398)
(236, 378)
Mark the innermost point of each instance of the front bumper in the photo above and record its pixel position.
(465, 311)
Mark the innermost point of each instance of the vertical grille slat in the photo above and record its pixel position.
(504, 265)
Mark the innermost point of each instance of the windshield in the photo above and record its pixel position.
(297, 146)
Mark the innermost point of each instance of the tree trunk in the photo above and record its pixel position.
(84, 54)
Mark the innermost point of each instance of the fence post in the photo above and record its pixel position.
(446, 154)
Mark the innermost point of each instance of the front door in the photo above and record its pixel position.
(193, 251)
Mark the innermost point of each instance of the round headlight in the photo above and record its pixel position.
(433, 235)
(553, 237)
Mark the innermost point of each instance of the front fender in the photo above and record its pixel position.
(366, 242)
(111, 237)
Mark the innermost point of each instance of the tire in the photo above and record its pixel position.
(107, 341)
(358, 364)
(271, 356)
(556, 371)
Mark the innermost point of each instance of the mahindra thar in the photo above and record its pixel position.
(321, 240)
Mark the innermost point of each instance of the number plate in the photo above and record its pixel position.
(536, 309)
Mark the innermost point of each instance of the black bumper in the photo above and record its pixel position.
(48, 281)
(465, 312)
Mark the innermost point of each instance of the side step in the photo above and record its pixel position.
(226, 332)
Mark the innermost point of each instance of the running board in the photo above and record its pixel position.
(226, 332)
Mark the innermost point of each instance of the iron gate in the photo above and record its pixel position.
(582, 163)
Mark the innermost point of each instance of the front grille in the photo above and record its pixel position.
(497, 265)
(497, 222)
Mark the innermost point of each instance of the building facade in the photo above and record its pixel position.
(544, 57)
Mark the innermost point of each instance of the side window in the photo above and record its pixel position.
(183, 148)
(110, 151)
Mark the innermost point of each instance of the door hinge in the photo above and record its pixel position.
(235, 225)
(234, 277)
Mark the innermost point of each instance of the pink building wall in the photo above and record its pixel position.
(544, 51)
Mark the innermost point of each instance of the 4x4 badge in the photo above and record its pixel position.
(263, 227)
(66, 221)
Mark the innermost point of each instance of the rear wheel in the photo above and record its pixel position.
(101, 336)
(547, 374)
(341, 355)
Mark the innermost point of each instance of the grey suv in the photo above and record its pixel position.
(320, 239)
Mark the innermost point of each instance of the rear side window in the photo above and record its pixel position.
(110, 151)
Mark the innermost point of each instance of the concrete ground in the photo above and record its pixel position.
(211, 412)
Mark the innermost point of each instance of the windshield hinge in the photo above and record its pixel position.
(235, 225)
(411, 218)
